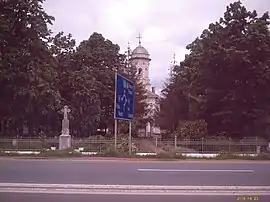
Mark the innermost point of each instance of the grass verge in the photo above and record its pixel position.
(114, 153)
(225, 156)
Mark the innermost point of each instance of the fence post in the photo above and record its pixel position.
(230, 145)
(29, 144)
(156, 140)
(14, 144)
(202, 145)
(256, 141)
(258, 147)
(17, 143)
(175, 141)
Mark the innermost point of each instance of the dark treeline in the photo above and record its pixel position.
(220, 89)
(223, 85)
(41, 72)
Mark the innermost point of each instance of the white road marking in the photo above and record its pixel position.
(119, 186)
(180, 193)
(182, 170)
(132, 189)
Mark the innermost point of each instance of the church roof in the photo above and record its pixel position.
(140, 53)
(140, 50)
(152, 95)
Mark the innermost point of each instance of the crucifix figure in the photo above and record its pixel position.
(65, 121)
(139, 37)
(66, 110)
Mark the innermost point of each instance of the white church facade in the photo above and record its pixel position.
(140, 58)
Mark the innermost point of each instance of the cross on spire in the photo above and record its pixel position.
(128, 49)
(174, 59)
(173, 63)
(139, 37)
(128, 54)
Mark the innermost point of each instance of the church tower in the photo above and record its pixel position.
(140, 58)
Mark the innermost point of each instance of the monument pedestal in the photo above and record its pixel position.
(65, 138)
(64, 141)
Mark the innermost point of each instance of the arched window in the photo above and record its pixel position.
(140, 71)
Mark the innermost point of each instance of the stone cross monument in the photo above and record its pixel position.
(65, 138)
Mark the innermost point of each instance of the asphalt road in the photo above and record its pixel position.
(127, 172)
(100, 198)
(184, 173)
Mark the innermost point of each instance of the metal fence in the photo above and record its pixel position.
(139, 145)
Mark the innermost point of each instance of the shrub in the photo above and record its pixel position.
(110, 152)
(227, 155)
(60, 153)
(169, 155)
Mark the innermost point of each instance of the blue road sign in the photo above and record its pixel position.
(124, 98)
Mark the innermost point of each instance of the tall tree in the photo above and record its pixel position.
(28, 91)
(232, 59)
(76, 86)
(101, 58)
(229, 69)
(174, 94)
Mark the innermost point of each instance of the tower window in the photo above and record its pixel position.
(140, 71)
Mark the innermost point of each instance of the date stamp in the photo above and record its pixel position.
(247, 198)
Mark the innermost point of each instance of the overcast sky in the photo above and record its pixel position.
(166, 26)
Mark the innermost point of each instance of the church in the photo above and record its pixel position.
(140, 58)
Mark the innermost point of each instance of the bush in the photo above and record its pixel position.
(111, 152)
(170, 155)
(60, 153)
(263, 156)
(194, 128)
(226, 155)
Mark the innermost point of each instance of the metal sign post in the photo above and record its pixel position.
(115, 134)
(124, 104)
(129, 139)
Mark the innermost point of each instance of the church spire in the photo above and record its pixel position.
(174, 59)
(128, 55)
(139, 37)
(128, 49)
(173, 63)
